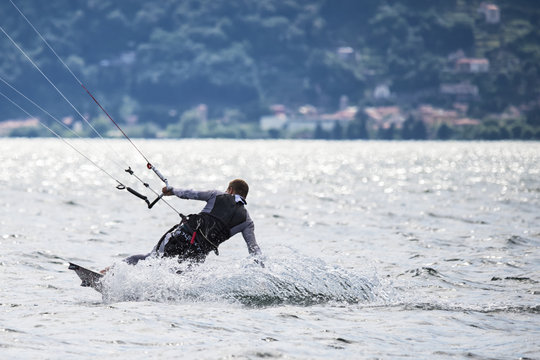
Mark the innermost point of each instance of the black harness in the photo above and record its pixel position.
(198, 234)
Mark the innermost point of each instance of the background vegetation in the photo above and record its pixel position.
(152, 63)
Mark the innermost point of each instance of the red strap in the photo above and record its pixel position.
(193, 238)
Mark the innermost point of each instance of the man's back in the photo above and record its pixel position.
(229, 210)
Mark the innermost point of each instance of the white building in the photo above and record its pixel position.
(307, 119)
(472, 65)
(382, 91)
(492, 12)
(273, 122)
(464, 89)
(345, 52)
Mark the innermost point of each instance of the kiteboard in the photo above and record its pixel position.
(89, 278)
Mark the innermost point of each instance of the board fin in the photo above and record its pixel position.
(88, 278)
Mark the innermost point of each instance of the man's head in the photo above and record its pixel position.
(238, 186)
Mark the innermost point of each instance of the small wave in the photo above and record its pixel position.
(295, 281)
(13, 236)
(453, 280)
(515, 278)
(516, 240)
(457, 218)
(528, 309)
(43, 257)
(423, 271)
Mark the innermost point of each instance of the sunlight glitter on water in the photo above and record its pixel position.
(383, 249)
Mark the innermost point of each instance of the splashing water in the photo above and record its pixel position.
(292, 280)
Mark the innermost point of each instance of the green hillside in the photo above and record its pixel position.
(154, 61)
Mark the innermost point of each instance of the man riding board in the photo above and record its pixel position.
(198, 234)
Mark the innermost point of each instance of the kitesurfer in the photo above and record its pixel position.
(197, 235)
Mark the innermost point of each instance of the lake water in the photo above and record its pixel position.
(372, 250)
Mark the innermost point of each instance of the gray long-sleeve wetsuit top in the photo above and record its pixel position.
(245, 225)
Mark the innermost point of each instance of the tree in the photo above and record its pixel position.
(101, 125)
(163, 57)
(357, 128)
(444, 132)
(387, 133)
(187, 126)
(407, 130)
(516, 131)
(189, 123)
(26, 131)
(319, 132)
(419, 131)
(274, 133)
(337, 131)
(533, 117)
(505, 133)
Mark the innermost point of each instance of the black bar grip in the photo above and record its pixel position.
(139, 195)
(155, 201)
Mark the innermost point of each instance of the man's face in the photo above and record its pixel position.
(230, 190)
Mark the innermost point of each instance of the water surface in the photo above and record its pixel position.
(373, 250)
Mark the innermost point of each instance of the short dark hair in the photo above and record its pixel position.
(239, 187)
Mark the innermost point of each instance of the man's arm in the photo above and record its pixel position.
(190, 194)
(249, 236)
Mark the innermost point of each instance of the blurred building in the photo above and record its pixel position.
(382, 91)
(345, 53)
(455, 56)
(463, 89)
(9, 125)
(383, 117)
(343, 102)
(468, 65)
(276, 121)
(307, 118)
(273, 122)
(491, 12)
(202, 112)
(433, 117)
